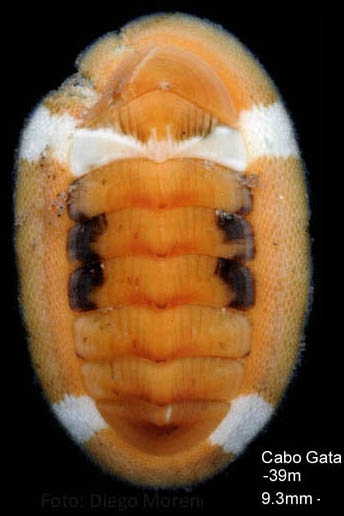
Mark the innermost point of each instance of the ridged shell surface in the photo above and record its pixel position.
(162, 248)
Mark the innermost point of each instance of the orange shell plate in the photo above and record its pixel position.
(164, 299)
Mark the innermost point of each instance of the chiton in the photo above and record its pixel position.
(163, 249)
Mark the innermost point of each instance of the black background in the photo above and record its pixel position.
(38, 54)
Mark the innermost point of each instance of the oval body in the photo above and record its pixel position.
(162, 249)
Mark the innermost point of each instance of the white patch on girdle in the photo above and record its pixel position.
(80, 416)
(263, 131)
(94, 148)
(46, 131)
(247, 415)
(268, 131)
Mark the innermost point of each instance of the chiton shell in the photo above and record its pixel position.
(162, 249)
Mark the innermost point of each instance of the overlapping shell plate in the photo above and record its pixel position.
(163, 251)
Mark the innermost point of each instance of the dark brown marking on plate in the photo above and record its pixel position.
(81, 283)
(236, 229)
(247, 202)
(81, 237)
(241, 281)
